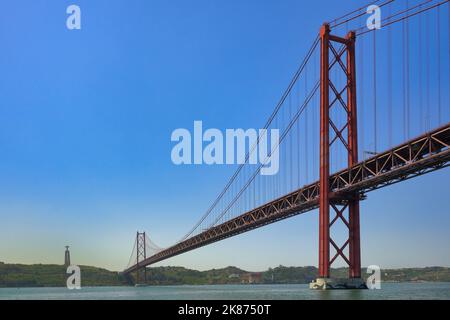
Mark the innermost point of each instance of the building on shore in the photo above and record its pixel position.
(250, 278)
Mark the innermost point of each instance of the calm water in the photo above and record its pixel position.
(256, 292)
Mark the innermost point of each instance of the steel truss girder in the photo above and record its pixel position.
(418, 156)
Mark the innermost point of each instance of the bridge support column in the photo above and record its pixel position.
(345, 98)
(141, 255)
(324, 208)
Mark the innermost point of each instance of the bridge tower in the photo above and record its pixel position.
(141, 255)
(337, 52)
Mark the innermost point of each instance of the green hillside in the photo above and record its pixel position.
(40, 275)
(48, 275)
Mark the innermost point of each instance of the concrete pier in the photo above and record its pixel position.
(336, 283)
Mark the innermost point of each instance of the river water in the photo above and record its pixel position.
(228, 292)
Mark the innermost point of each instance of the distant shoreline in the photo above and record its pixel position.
(200, 285)
(42, 275)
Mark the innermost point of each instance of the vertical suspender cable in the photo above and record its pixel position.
(254, 191)
(249, 195)
(315, 122)
(298, 136)
(306, 127)
(291, 152)
(438, 34)
(284, 149)
(375, 90)
(404, 46)
(389, 83)
(281, 182)
(408, 101)
(249, 190)
(420, 64)
(427, 64)
(361, 95)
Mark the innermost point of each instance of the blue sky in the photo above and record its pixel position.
(86, 118)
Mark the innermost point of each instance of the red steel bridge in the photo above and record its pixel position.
(367, 108)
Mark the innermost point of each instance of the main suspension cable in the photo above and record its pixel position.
(269, 121)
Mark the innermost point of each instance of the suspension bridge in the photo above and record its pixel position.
(367, 108)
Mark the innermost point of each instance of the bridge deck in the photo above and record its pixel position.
(423, 154)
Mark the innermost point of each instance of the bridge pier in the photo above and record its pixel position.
(326, 200)
(333, 284)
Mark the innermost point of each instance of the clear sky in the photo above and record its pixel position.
(86, 118)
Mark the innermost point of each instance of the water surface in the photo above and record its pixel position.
(255, 292)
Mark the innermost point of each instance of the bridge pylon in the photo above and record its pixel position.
(337, 52)
(141, 255)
